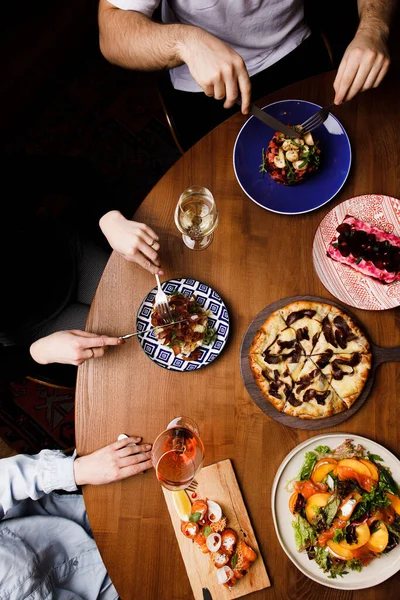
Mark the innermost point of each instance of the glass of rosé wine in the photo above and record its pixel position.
(178, 454)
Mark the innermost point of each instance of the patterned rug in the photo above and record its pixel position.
(35, 416)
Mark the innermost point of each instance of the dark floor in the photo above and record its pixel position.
(60, 99)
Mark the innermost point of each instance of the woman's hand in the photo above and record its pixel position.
(114, 462)
(71, 347)
(135, 241)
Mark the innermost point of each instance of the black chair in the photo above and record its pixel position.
(16, 363)
(54, 375)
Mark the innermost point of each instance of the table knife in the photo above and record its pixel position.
(129, 335)
(271, 121)
(206, 594)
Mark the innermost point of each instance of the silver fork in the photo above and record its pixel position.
(316, 119)
(161, 303)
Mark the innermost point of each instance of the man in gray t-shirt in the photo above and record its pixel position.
(217, 45)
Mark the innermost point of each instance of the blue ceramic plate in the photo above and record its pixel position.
(321, 186)
(219, 320)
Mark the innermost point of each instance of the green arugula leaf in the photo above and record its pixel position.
(329, 511)
(322, 450)
(262, 168)
(386, 479)
(338, 535)
(194, 517)
(394, 528)
(309, 462)
(374, 457)
(322, 558)
(371, 500)
(210, 336)
(206, 531)
(354, 564)
(303, 533)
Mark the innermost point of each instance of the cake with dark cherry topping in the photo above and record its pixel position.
(367, 249)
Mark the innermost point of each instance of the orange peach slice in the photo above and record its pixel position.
(322, 468)
(363, 535)
(339, 551)
(395, 500)
(315, 502)
(379, 539)
(373, 469)
(356, 465)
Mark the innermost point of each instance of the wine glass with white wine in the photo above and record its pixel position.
(196, 217)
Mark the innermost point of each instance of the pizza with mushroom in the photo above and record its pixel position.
(310, 360)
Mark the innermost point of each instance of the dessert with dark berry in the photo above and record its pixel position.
(367, 249)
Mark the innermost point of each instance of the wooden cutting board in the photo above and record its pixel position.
(218, 482)
(379, 356)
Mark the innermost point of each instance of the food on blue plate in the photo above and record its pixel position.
(310, 360)
(367, 249)
(184, 338)
(207, 527)
(290, 161)
(347, 508)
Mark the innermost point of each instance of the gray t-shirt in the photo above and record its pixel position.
(261, 31)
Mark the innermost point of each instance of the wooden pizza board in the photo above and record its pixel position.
(379, 356)
(218, 482)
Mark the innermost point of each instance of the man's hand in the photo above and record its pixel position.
(135, 241)
(114, 462)
(216, 68)
(71, 347)
(134, 41)
(363, 66)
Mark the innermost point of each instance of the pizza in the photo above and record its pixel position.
(310, 360)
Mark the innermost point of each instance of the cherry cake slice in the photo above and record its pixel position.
(366, 249)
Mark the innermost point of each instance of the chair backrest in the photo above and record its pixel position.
(336, 21)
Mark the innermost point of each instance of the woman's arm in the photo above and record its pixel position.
(24, 476)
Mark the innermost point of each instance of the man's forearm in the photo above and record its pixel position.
(132, 40)
(376, 14)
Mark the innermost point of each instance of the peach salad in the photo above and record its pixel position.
(346, 506)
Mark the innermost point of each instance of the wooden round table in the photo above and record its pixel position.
(256, 258)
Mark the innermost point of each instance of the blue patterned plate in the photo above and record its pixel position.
(219, 320)
(309, 195)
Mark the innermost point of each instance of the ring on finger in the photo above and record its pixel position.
(92, 352)
(152, 243)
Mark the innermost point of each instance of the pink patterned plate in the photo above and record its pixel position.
(342, 281)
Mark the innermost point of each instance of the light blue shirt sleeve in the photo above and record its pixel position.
(46, 547)
(25, 476)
